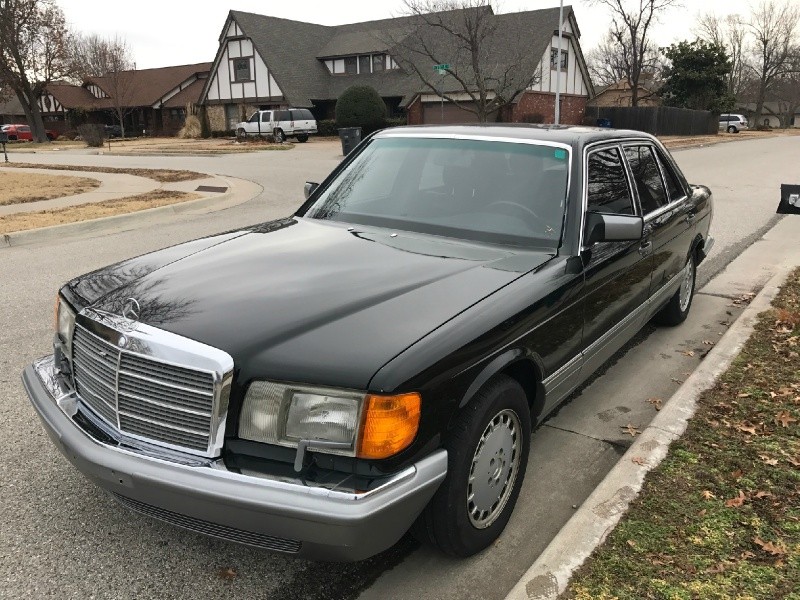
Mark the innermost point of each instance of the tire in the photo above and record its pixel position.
(50, 137)
(241, 134)
(302, 138)
(677, 309)
(490, 439)
(732, 129)
(280, 137)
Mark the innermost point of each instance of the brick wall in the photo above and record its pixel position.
(414, 112)
(573, 108)
(216, 117)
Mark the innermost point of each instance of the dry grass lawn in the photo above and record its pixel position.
(85, 212)
(19, 188)
(161, 175)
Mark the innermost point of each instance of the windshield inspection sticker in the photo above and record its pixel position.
(561, 154)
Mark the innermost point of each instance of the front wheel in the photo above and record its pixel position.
(487, 453)
(241, 134)
(677, 309)
(279, 136)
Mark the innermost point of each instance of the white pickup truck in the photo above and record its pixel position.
(288, 122)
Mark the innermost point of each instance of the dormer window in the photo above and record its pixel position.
(361, 64)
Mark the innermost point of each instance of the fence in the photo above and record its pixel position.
(658, 120)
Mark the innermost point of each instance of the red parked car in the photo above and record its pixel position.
(23, 132)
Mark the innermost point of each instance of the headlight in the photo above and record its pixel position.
(366, 426)
(65, 323)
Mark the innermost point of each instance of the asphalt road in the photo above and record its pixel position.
(62, 538)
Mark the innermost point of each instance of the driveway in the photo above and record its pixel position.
(61, 537)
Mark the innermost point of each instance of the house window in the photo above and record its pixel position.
(364, 63)
(554, 58)
(241, 69)
(378, 62)
(351, 65)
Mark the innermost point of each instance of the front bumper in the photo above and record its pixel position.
(289, 516)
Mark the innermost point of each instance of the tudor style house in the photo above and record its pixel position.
(155, 100)
(265, 62)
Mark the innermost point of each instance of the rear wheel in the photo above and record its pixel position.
(302, 138)
(487, 456)
(677, 309)
(732, 129)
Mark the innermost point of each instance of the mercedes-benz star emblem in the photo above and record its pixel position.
(131, 309)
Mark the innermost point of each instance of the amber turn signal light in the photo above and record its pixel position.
(390, 424)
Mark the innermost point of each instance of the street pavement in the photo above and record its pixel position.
(62, 538)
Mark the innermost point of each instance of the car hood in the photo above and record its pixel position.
(306, 300)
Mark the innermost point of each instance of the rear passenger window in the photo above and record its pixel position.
(608, 184)
(646, 177)
(282, 115)
(675, 190)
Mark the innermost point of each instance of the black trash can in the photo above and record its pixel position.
(604, 122)
(350, 137)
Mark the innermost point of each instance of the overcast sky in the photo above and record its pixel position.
(173, 32)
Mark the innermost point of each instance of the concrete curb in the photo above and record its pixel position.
(113, 223)
(598, 515)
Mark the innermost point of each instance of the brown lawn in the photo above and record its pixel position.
(19, 188)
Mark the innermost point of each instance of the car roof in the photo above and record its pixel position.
(565, 134)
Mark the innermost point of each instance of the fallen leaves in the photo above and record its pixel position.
(638, 460)
(784, 418)
(228, 574)
(708, 495)
(631, 430)
(778, 549)
(736, 501)
(656, 402)
(768, 460)
(746, 428)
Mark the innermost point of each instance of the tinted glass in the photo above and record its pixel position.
(302, 114)
(608, 184)
(646, 177)
(364, 63)
(283, 115)
(253, 118)
(496, 192)
(350, 64)
(675, 190)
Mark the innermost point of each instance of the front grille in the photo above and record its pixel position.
(165, 403)
(259, 540)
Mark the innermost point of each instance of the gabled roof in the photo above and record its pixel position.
(10, 104)
(294, 51)
(143, 87)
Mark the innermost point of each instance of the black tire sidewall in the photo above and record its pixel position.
(500, 393)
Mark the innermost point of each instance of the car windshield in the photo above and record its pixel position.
(490, 191)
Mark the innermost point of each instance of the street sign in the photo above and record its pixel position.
(441, 68)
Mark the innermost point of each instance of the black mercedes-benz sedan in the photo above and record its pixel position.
(320, 384)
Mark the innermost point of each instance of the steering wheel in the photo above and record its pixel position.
(514, 204)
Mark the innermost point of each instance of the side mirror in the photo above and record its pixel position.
(790, 200)
(612, 228)
(309, 188)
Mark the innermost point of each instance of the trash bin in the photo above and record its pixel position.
(350, 137)
(604, 122)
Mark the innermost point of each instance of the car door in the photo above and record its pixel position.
(251, 125)
(668, 220)
(284, 121)
(616, 274)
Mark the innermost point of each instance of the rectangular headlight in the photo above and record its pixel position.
(367, 426)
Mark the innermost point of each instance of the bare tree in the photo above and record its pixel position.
(730, 33)
(607, 65)
(773, 26)
(34, 51)
(464, 34)
(629, 37)
(785, 92)
(108, 63)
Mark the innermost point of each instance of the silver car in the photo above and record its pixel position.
(282, 123)
(732, 123)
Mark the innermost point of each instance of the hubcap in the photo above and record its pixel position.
(494, 469)
(685, 294)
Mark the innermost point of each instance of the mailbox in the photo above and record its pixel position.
(790, 200)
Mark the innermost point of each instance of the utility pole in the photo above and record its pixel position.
(558, 64)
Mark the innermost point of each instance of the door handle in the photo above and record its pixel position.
(690, 218)
(645, 247)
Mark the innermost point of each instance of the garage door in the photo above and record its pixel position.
(435, 113)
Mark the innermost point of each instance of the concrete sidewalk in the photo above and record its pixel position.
(761, 268)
